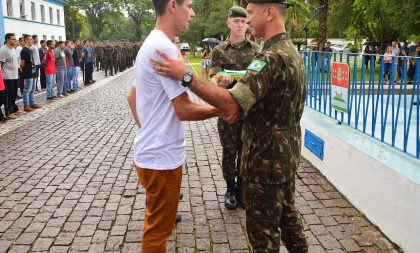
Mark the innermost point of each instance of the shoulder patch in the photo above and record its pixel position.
(257, 66)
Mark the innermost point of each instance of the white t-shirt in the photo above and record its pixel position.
(18, 50)
(35, 54)
(11, 66)
(159, 143)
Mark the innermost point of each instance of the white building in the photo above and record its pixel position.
(44, 18)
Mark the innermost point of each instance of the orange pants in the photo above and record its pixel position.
(162, 197)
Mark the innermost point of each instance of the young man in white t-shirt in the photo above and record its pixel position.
(159, 105)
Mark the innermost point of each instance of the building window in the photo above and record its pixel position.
(9, 6)
(53, 38)
(22, 9)
(44, 37)
(42, 13)
(58, 17)
(51, 15)
(33, 13)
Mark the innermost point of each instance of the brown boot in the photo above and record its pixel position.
(11, 116)
(19, 112)
(36, 106)
(28, 109)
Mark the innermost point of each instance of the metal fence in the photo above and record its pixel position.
(383, 98)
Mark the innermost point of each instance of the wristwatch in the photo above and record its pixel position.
(187, 79)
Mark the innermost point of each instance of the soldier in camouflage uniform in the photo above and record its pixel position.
(108, 51)
(236, 53)
(271, 98)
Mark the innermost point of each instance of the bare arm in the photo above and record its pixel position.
(187, 110)
(132, 102)
(216, 96)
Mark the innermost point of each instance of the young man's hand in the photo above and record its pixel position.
(172, 68)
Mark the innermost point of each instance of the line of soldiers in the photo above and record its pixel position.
(115, 56)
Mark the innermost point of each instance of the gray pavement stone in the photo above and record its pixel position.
(67, 184)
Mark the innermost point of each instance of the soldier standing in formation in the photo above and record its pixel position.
(115, 56)
(270, 100)
(236, 53)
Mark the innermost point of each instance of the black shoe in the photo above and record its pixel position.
(181, 195)
(230, 199)
(2, 119)
(178, 218)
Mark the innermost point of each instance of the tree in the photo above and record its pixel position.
(76, 23)
(96, 13)
(141, 13)
(323, 18)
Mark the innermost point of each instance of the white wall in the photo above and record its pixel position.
(381, 182)
(15, 24)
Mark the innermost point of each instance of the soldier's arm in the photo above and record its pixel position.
(212, 94)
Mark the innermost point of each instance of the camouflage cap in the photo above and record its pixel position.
(248, 30)
(270, 1)
(237, 11)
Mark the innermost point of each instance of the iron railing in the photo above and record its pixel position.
(383, 99)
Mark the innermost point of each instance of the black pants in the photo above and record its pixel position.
(11, 90)
(43, 78)
(88, 71)
(2, 101)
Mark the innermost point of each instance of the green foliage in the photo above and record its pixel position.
(142, 15)
(76, 23)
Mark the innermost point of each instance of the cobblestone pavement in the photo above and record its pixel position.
(67, 185)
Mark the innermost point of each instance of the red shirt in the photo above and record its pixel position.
(49, 60)
(1, 80)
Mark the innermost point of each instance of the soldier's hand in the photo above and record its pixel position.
(172, 68)
(224, 81)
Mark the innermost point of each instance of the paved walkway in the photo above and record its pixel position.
(67, 185)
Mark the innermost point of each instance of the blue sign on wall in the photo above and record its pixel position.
(314, 144)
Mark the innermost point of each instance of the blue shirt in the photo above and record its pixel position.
(88, 57)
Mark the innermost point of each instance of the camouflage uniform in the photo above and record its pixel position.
(227, 56)
(108, 51)
(272, 95)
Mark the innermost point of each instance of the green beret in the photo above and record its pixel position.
(237, 11)
(270, 1)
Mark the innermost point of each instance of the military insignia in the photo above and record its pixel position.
(257, 66)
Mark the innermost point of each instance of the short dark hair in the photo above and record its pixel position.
(160, 6)
(34, 36)
(8, 36)
(25, 36)
(75, 40)
(42, 41)
(60, 42)
(49, 42)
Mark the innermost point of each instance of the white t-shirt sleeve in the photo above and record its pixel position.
(2, 55)
(173, 88)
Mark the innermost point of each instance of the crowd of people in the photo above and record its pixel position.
(34, 66)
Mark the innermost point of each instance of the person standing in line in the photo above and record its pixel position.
(236, 53)
(160, 143)
(76, 61)
(61, 68)
(10, 69)
(88, 59)
(270, 99)
(42, 49)
(50, 70)
(37, 60)
(28, 67)
(2, 97)
(68, 51)
(20, 46)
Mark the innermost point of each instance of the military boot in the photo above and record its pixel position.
(106, 72)
(112, 74)
(240, 192)
(230, 195)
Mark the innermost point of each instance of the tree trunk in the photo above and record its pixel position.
(323, 15)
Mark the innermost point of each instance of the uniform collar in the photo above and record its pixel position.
(276, 38)
(236, 45)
